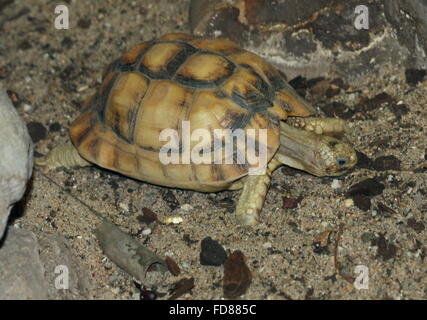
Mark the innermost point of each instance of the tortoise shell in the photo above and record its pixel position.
(210, 82)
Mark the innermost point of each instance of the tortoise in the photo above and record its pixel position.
(213, 84)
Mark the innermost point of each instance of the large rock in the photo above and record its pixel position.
(321, 38)
(21, 271)
(16, 157)
(43, 268)
(58, 259)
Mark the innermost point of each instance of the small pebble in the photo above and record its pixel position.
(146, 232)
(212, 253)
(186, 207)
(336, 184)
(27, 107)
(173, 220)
(348, 203)
(267, 245)
(115, 290)
(124, 206)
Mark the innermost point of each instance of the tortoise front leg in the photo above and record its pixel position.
(327, 126)
(251, 200)
(65, 155)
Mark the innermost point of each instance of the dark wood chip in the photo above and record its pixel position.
(181, 287)
(338, 109)
(363, 161)
(386, 250)
(362, 202)
(227, 203)
(55, 127)
(332, 92)
(385, 210)
(237, 276)
(340, 83)
(170, 198)
(368, 187)
(321, 242)
(172, 266)
(5, 3)
(37, 131)
(414, 76)
(291, 203)
(25, 45)
(148, 216)
(14, 97)
(387, 163)
(367, 105)
(84, 23)
(418, 226)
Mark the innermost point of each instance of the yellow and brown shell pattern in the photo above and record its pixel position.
(211, 83)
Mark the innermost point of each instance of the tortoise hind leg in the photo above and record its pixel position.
(251, 200)
(65, 155)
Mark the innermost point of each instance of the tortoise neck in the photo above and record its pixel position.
(298, 149)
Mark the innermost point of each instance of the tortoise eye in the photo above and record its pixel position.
(341, 162)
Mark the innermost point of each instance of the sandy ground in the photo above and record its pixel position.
(54, 70)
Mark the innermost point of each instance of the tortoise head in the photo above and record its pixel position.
(320, 155)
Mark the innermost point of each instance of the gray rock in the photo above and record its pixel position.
(318, 38)
(21, 271)
(27, 274)
(56, 257)
(16, 157)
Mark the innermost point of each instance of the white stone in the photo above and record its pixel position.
(336, 184)
(186, 207)
(348, 203)
(124, 206)
(267, 245)
(27, 107)
(146, 232)
(16, 157)
(173, 220)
